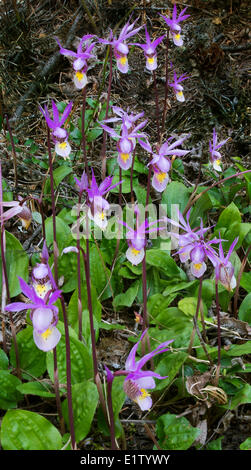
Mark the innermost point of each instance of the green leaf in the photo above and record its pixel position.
(215, 445)
(84, 401)
(69, 216)
(169, 365)
(178, 165)
(35, 388)
(176, 326)
(126, 273)
(241, 397)
(9, 395)
(62, 232)
(140, 192)
(239, 349)
(17, 262)
(72, 312)
(246, 445)
(126, 299)
(7, 195)
(110, 326)
(126, 185)
(25, 430)
(188, 305)
(61, 105)
(81, 359)
(68, 268)
(37, 217)
(175, 433)
(228, 216)
(200, 208)
(93, 134)
(245, 309)
(183, 285)
(118, 398)
(4, 361)
(236, 229)
(176, 193)
(100, 274)
(156, 304)
(162, 260)
(58, 175)
(32, 359)
(245, 282)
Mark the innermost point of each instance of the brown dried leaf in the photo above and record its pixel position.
(202, 425)
(195, 383)
(217, 393)
(239, 326)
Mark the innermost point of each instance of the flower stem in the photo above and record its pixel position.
(218, 332)
(40, 204)
(55, 249)
(166, 86)
(157, 105)
(86, 258)
(131, 176)
(144, 287)
(79, 273)
(56, 388)
(103, 150)
(111, 415)
(67, 341)
(83, 133)
(68, 375)
(196, 316)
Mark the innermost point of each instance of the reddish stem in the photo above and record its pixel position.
(103, 150)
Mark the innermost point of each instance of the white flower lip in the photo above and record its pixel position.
(135, 256)
(80, 79)
(63, 149)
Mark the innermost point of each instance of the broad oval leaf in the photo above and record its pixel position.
(81, 359)
(175, 433)
(17, 262)
(84, 401)
(9, 395)
(32, 359)
(25, 430)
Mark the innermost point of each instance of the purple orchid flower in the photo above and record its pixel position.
(44, 316)
(178, 89)
(160, 164)
(192, 245)
(42, 278)
(224, 270)
(98, 205)
(59, 135)
(120, 48)
(215, 156)
(128, 118)
(80, 62)
(83, 183)
(175, 28)
(149, 49)
(138, 380)
(126, 142)
(136, 239)
(18, 209)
